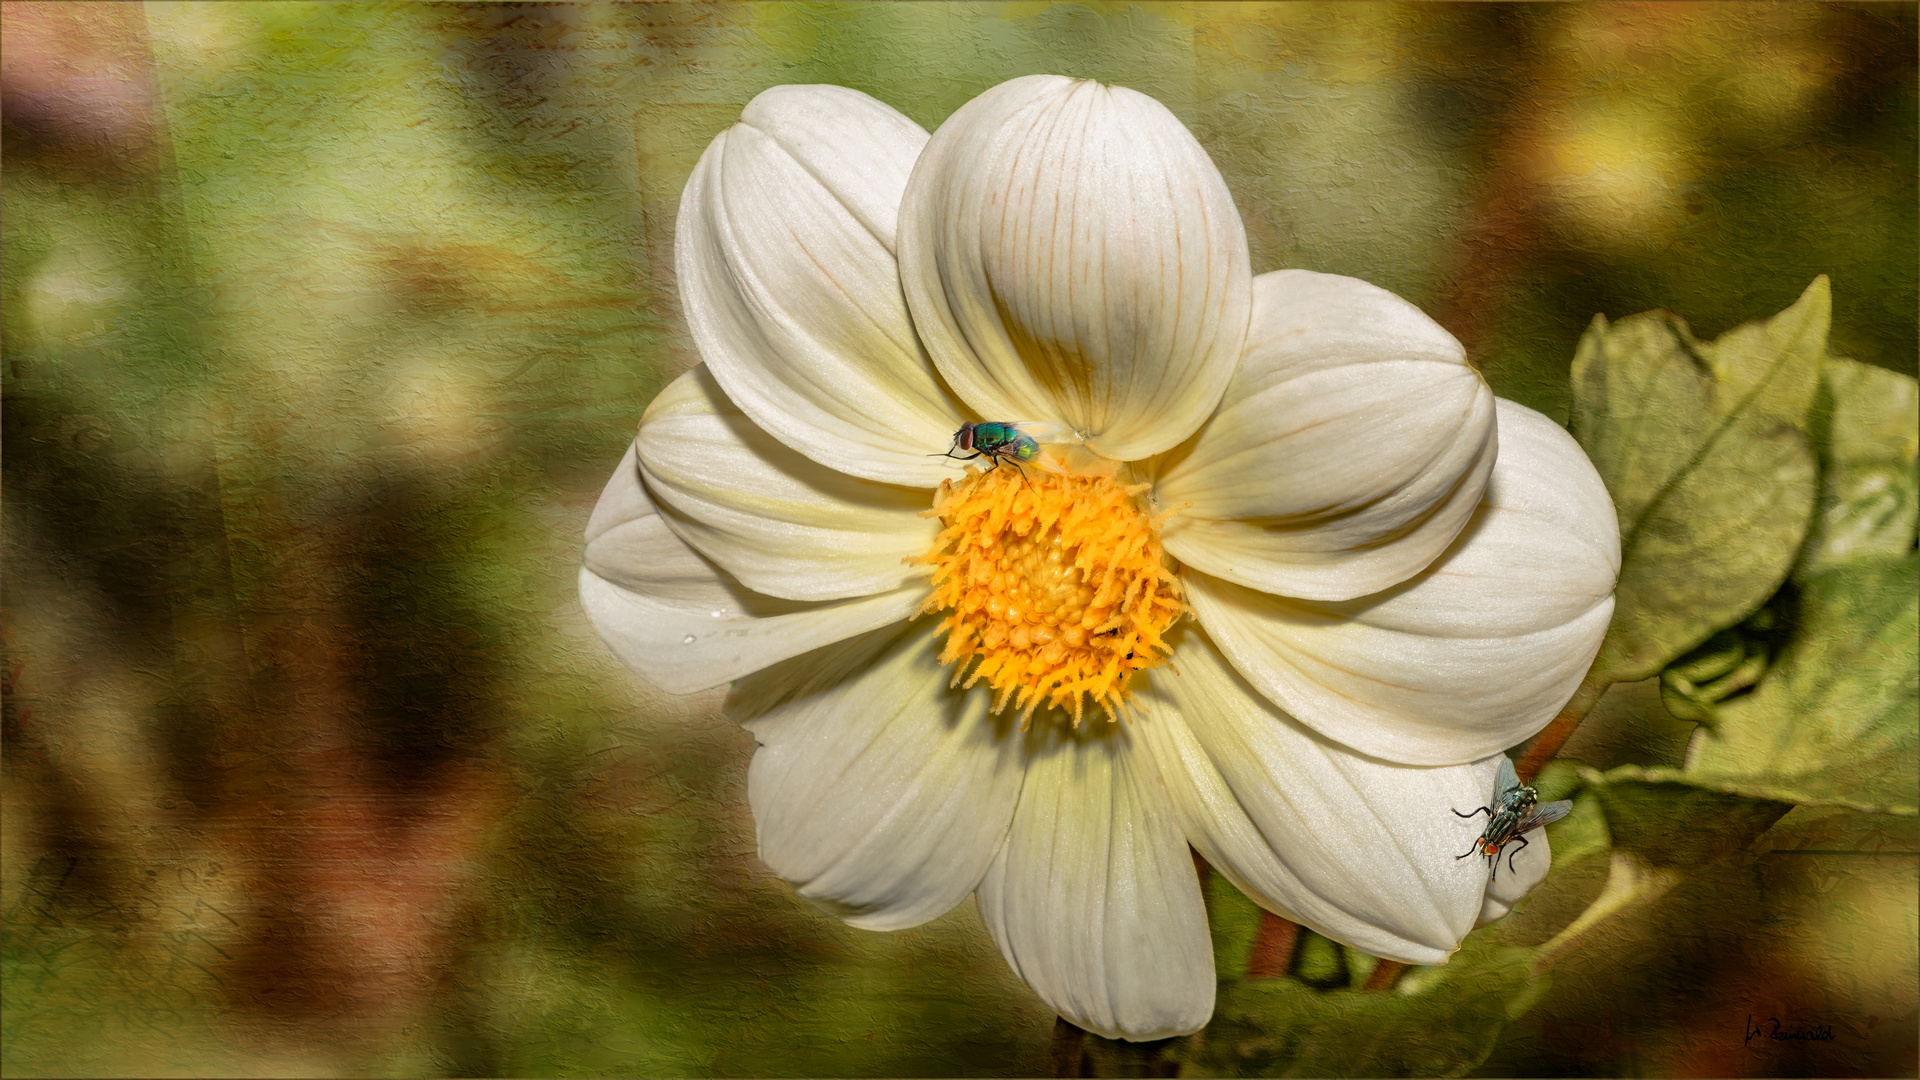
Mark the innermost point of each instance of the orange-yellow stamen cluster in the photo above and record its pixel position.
(1055, 583)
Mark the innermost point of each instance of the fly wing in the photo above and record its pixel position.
(1046, 462)
(1544, 814)
(1044, 434)
(1506, 781)
(1040, 432)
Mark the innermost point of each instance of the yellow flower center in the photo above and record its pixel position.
(1055, 583)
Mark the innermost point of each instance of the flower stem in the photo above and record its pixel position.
(1386, 975)
(1552, 737)
(1272, 947)
(1069, 1048)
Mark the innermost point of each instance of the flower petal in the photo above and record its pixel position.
(858, 148)
(1094, 899)
(1472, 655)
(1358, 849)
(1071, 255)
(879, 791)
(1352, 445)
(685, 624)
(781, 523)
(784, 250)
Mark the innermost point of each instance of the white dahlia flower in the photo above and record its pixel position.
(1272, 544)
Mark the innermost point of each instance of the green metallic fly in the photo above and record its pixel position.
(1516, 810)
(1001, 440)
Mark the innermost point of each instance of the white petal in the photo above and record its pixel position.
(1350, 449)
(784, 250)
(1543, 551)
(1358, 849)
(859, 149)
(685, 624)
(876, 789)
(1094, 899)
(1472, 655)
(1072, 256)
(1528, 867)
(781, 523)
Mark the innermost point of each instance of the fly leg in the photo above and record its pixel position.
(1516, 851)
(997, 459)
(1482, 810)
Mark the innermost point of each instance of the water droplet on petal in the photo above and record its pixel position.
(688, 640)
(719, 614)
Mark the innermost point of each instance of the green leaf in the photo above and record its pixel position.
(1837, 719)
(1440, 1022)
(1870, 490)
(1705, 450)
(1666, 818)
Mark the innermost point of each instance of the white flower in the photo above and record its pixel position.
(1378, 609)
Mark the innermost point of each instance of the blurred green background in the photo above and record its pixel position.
(325, 323)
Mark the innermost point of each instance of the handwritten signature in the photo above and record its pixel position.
(1771, 1028)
